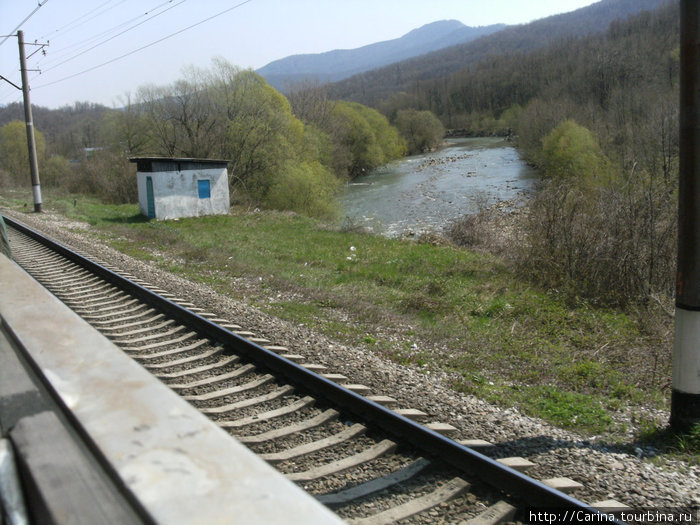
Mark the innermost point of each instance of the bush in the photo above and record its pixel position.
(614, 246)
(14, 151)
(534, 122)
(307, 188)
(56, 172)
(422, 130)
(363, 139)
(469, 230)
(109, 176)
(484, 123)
(493, 228)
(571, 151)
(475, 229)
(6, 180)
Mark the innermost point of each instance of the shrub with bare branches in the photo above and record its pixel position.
(613, 246)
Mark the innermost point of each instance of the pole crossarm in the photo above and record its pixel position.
(41, 48)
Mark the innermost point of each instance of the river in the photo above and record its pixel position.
(425, 192)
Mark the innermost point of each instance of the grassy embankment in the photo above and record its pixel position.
(434, 306)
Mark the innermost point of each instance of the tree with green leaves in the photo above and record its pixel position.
(14, 155)
(364, 139)
(260, 133)
(422, 130)
(308, 188)
(571, 151)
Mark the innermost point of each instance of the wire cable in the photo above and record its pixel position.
(39, 6)
(80, 53)
(75, 20)
(143, 47)
(41, 59)
(17, 97)
(63, 51)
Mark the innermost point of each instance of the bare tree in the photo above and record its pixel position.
(310, 103)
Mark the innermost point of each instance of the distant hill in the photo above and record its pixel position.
(342, 63)
(373, 86)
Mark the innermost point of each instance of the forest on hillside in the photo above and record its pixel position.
(374, 86)
(607, 81)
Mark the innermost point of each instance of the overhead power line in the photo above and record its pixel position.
(76, 22)
(115, 36)
(12, 33)
(14, 95)
(144, 47)
(81, 20)
(75, 49)
(64, 51)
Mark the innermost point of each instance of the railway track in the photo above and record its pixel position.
(360, 455)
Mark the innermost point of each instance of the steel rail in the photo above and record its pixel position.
(531, 492)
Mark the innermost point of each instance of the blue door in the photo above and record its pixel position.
(150, 203)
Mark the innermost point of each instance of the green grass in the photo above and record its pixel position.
(94, 212)
(682, 445)
(448, 309)
(566, 409)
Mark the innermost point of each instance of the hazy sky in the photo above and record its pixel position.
(248, 33)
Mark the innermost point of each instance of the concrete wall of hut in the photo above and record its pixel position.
(179, 193)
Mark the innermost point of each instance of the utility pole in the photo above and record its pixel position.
(685, 395)
(33, 164)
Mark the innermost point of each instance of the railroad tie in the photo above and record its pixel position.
(307, 424)
(373, 486)
(449, 490)
(204, 368)
(184, 360)
(380, 449)
(341, 437)
(249, 402)
(212, 380)
(495, 514)
(251, 385)
(271, 414)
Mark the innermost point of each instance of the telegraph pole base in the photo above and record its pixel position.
(685, 411)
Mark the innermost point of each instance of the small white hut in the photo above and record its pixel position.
(170, 187)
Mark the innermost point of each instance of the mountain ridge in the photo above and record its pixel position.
(338, 64)
(372, 86)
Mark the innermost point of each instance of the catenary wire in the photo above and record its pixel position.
(41, 4)
(143, 47)
(81, 17)
(81, 53)
(41, 59)
(64, 51)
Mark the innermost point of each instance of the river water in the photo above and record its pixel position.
(426, 192)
